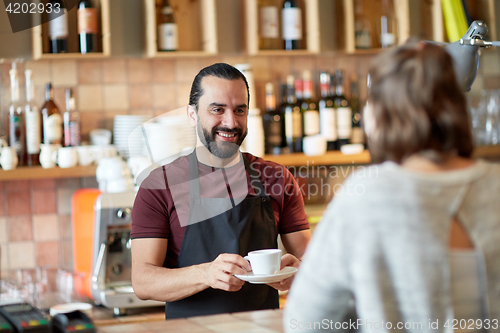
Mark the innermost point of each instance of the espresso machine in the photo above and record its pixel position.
(112, 260)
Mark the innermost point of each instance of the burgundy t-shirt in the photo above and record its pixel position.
(161, 207)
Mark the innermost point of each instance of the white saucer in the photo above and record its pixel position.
(286, 272)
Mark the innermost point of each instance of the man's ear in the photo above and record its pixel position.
(192, 115)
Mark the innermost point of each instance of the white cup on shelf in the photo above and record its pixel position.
(8, 158)
(66, 157)
(86, 155)
(314, 145)
(46, 151)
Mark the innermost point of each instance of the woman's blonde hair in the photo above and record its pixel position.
(418, 106)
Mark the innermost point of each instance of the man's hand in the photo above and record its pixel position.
(220, 272)
(286, 260)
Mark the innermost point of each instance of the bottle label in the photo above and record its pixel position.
(33, 135)
(87, 21)
(292, 23)
(52, 129)
(58, 26)
(167, 36)
(344, 123)
(15, 124)
(328, 124)
(297, 124)
(363, 39)
(357, 135)
(269, 22)
(311, 122)
(293, 123)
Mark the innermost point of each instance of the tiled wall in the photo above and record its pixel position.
(35, 215)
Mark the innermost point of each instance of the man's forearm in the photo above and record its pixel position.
(167, 285)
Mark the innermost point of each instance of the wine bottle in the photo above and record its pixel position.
(362, 27)
(343, 111)
(291, 19)
(358, 135)
(310, 113)
(268, 25)
(17, 138)
(293, 118)
(71, 122)
(327, 115)
(274, 125)
(51, 119)
(33, 122)
(388, 25)
(167, 29)
(87, 26)
(58, 27)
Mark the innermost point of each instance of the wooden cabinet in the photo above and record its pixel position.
(40, 38)
(196, 23)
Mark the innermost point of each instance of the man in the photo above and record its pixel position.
(195, 218)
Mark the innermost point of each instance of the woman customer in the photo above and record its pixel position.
(413, 245)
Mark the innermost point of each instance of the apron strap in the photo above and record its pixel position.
(194, 182)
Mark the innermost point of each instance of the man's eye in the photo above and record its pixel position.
(240, 111)
(218, 110)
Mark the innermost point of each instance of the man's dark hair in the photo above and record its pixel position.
(220, 70)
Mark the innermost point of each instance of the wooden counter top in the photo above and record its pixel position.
(265, 321)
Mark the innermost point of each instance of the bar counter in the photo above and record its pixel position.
(264, 321)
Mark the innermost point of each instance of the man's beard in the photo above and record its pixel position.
(221, 149)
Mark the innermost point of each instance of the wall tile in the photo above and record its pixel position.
(163, 71)
(20, 228)
(186, 70)
(141, 96)
(45, 227)
(183, 91)
(17, 185)
(66, 255)
(47, 253)
(3, 231)
(114, 71)
(43, 183)
(164, 96)
(41, 71)
(109, 118)
(281, 68)
(4, 74)
(4, 257)
(73, 183)
(234, 60)
(116, 97)
(21, 255)
(60, 97)
(207, 61)
(139, 71)
(90, 97)
(89, 182)
(64, 73)
(90, 121)
(64, 196)
(89, 72)
(3, 204)
(19, 203)
(65, 226)
(301, 63)
(260, 68)
(2, 185)
(44, 201)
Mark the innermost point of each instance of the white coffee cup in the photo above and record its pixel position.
(66, 157)
(314, 145)
(46, 151)
(265, 262)
(86, 155)
(104, 152)
(8, 158)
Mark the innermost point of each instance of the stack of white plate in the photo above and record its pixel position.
(128, 135)
(168, 137)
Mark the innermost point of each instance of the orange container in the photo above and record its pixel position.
(82, 219)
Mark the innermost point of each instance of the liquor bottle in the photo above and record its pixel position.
(268, 25)
(388, 25)
(299, 90)
(58, 27)
(167, 28)
(291, 20)
(274, 125)
(87, 26)
(310, 113)
(327, 115)
(343, 111)
(358, 135)
(17, 131)
(71, 121)
(293, 118)
(362, 27)
(33, 122)
(51, 119)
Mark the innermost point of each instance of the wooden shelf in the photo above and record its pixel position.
(39, 37)
(487, 152)
(330, 158)
(41, 173)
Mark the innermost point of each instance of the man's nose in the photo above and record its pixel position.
(229, 119)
